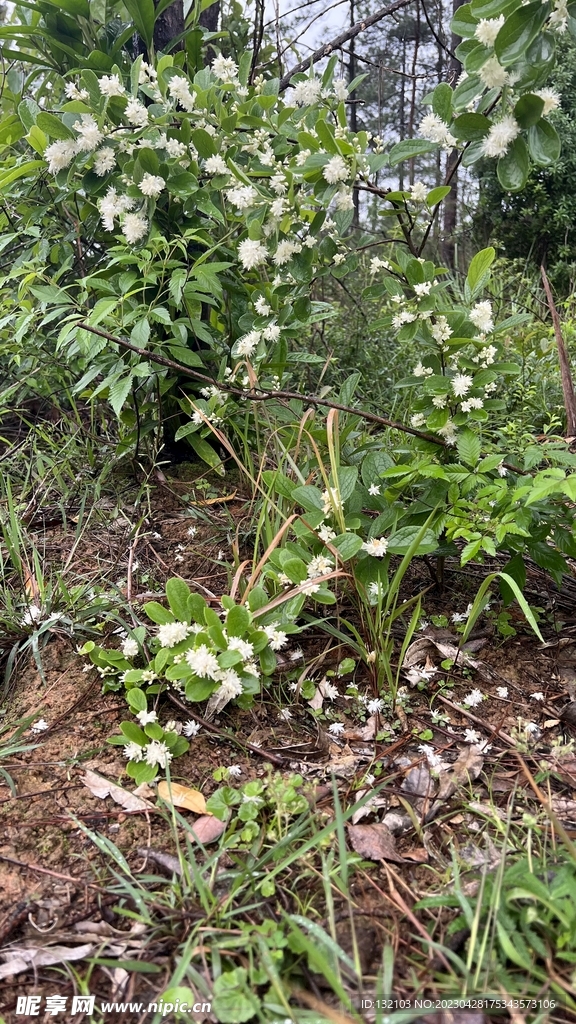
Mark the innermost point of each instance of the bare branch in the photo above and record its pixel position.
(350, 33)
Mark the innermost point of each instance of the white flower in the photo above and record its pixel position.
(74, 93)
(276, 637)
(60, 155)
(330, 502)
(472, 403)
(377, 264)
(436, 130)
(251, 669)
(32, 614)
(487, 29)
(171, 633)
(418, 420)
(175, 149)
(551, 99)
(134, 227)
(500, 136)
(246, 649)
(110, 85)
(278, 183)
(377, 547)
(319, 566)
(481, 317)
(449, 432)
(419, 673)
(225, 69)
(471, 736)
(230, 686)
(344, 199)
(338, 258)
(191, 728)
(243, 197)
(502, 471)
(252, 253)
(493, 75)
(473, 698)
(439, 401)
(404, 317)
(234, 770)
(39, 726)
(423, 289)
(179, 89)
(285, 714)
(89, 134)
(336, 170)
(308, 92)
(374, 489)
(151, 185)
(336, 728)
(158, 753)
(422, 371)
(502, 691)
(203, 662)
(144, 717)
(247, 345)
(418, 192)
(326, 534)
(461, 384)
(373, 707)
(130, 648)
(340, 89)
(215, 165)
(136, 113)
(285, 251)
(262, 307)
(441, 330)
(134, 752)
(559, 17)
(531, 728)
(329, 691)
(537, 696)
(104, 161)
(434, 760)
(113, 205)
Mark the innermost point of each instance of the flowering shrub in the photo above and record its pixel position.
(201, 654)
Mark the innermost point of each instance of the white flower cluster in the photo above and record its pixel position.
(433, 128)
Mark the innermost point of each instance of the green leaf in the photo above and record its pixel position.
(161, 616)
(53, 126)
(408, 149)
(528, 110)
(401, 541)
(20, 172)
(464, 23)
(308, 496)
(347, 545)
(543, 143)
(513, 168)
(206, 452)
(143, 15)
(137, 699)
(178, 593)
(436, 195)
(518, 31)
(442, 102)
(479, 269)
(469, 447)
(237, 620)
(119, 392)
(471, 127)
(134, 733)
(233, 1002)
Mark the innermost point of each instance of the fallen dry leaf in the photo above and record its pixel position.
(182, 796)
(375, 842)
(101, 788)
(467, 767)
(207, 829)
(19, 959)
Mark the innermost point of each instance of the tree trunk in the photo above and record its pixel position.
(169, 25)
(451, 202)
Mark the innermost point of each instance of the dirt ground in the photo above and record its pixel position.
(51, 870)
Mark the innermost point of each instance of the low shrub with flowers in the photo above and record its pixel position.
(200, 653)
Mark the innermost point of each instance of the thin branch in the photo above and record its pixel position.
(259, 394)
(350, 33)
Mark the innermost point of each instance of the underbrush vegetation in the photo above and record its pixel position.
(287, 514)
